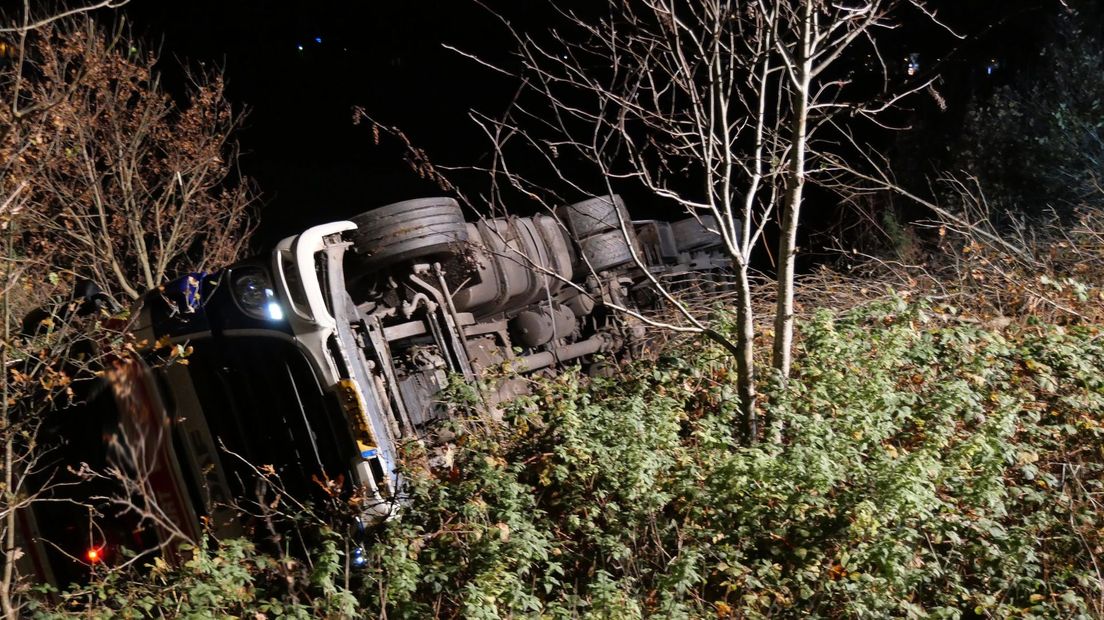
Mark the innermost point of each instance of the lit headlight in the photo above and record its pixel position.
(360, 556)
(254, 295)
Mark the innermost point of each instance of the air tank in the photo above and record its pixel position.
(518, 262)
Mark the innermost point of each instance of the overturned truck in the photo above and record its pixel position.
(317, 362)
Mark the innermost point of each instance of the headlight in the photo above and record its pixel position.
(254, 295)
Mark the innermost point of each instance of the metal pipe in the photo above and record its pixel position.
(544, 359)
(535, 361)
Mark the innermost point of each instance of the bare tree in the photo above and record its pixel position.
(33, 378)
(128, 186)
(713, 108)
(813, 37)
(102, 175)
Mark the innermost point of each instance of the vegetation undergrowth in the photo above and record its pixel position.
(914, 468)
(233, 579)
(915, 465)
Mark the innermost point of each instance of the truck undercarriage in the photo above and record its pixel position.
(319, 362)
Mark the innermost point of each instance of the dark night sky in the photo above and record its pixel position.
(299, 144)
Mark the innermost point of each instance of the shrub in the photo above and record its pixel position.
(915, 468)
(916, 465)
(230, 580)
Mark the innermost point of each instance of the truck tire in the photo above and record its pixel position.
(690, 234)
(606, 251)
(593, 216)
(409, 230)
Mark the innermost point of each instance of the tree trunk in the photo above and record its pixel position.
(791, 207)
(7, 497)
(745, 359)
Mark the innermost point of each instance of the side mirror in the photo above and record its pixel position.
(92, 299)
(87, 298)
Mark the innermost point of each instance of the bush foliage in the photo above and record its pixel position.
(917, 465)
(232, 580)
(916, 468)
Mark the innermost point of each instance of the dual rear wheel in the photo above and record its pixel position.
(409, 230)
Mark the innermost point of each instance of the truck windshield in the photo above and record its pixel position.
(254, 403)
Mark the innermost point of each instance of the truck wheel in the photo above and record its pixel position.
(689, 234)
(606, 250)
(409, 230)
(593, 216)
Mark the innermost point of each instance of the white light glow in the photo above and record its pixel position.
(275, 312)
